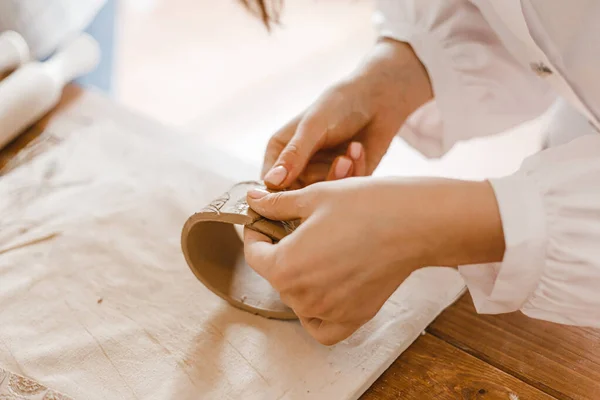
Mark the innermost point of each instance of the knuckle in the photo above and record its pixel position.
(291, 151)
(276, 199)
(311, 192)
(311, 196)
(325, 339)
(311, 122)
(275, 144)
(303, 204)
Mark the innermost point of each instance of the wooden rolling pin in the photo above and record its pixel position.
(14, 51)
(32, 90)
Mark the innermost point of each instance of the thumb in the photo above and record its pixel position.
(279, 206)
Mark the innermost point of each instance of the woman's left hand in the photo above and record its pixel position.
(360, 238)
(356, 244)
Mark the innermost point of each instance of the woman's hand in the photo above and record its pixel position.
(350, 127)
(360, 238)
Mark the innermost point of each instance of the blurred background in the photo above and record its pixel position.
(212, 70)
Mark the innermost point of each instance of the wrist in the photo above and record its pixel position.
(394, 64)
(466, 226)
(448, 222)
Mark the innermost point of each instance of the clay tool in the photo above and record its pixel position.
(14, 51)
(35, 88)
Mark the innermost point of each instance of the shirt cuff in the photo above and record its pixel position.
(505, 287)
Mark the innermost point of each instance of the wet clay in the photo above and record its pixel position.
(215, 253)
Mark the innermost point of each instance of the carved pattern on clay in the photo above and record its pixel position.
(241, 206)
(23, 386)
(52, 395)
(17, 387)
(221, 270)
(216, 205)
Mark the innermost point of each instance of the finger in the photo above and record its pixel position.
(377, 146)
(315, 172)
(326, 332)
(341, 168)
(320, 163)
(259, 252)
(279, 206)
(332, 121)
(356, 153)
(277, 143)
(292, 160)
(308, 323)
(296, 185)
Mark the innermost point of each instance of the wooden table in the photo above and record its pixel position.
(461, 356)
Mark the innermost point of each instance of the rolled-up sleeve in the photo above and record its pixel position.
(550, 212)
(479, 88)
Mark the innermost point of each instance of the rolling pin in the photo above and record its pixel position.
(32, 90)
(14, 51)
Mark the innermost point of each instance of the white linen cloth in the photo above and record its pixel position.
(494, 64)
(46, 24)
(97, 301)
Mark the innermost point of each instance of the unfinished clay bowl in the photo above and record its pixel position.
(215, 253)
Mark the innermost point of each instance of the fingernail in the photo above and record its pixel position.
(355, 150)
(276, 176)
(342, 168)
(257, 193)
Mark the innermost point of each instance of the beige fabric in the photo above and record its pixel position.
(97, 302)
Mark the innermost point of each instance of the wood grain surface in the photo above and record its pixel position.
(563, 361)
(463, 356)
(434, 369)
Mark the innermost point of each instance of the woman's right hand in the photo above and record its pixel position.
(347, 131)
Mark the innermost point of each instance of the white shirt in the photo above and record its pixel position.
(45, 24)
(494, 64)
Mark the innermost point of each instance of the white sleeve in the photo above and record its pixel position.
(550, 213)
(479, 88)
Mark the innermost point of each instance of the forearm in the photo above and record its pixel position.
(453, 222)
(466, 228)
